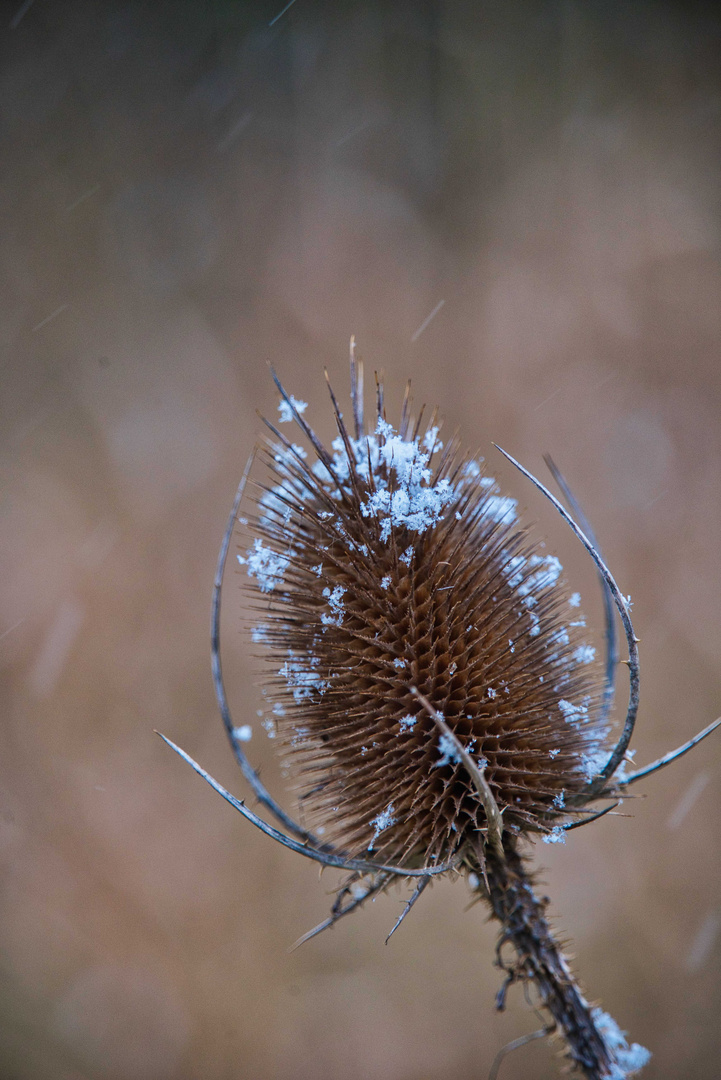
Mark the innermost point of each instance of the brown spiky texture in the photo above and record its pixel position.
(389, 564)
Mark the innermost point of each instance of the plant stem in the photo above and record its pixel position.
(539, 959)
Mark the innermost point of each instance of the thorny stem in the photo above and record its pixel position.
(539, 959)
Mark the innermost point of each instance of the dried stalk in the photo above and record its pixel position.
(540, 960)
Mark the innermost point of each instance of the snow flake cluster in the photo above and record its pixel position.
(286, 409)
(593, 763)
(628, 1059)
(407, 496)
(302, 678)
(557, 835)
(584, 654)
(449, 752)
(382, 822)
(578, 716)
(573, 714)
(499, 508)
(545, 571)
(335, 603)
(530, 575)
(266, 565)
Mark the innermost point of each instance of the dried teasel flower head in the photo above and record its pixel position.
(431, 685)
(413, 628)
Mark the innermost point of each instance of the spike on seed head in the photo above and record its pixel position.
(392, 569)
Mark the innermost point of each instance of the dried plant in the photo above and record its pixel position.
(430, 685)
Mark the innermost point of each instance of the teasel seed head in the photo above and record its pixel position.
(389, 570)
(430, 684)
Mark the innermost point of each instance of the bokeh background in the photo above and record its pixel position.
(190, 190)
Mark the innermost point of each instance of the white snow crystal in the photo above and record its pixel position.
(545, 571)
(449, 752)
(335, 603)
(407, 722)
(431, 441)
(382, 822)
(573, 714)
(285, 408)
(548, 573)
(584, 654)
(408, 497)
(513, 570)
(303, 680)
(416, 507)
(499, 508)
(358, 889)
(287, 455)
(629, 1059)
(593, 763)
(279, 502)
(574, 600)
(266, 565)
(244, 733)
(557, 835)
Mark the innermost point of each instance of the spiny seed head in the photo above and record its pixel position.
(389, 564)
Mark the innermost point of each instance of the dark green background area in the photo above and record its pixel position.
(188, 193)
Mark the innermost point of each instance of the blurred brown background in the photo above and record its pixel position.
(187, 193)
